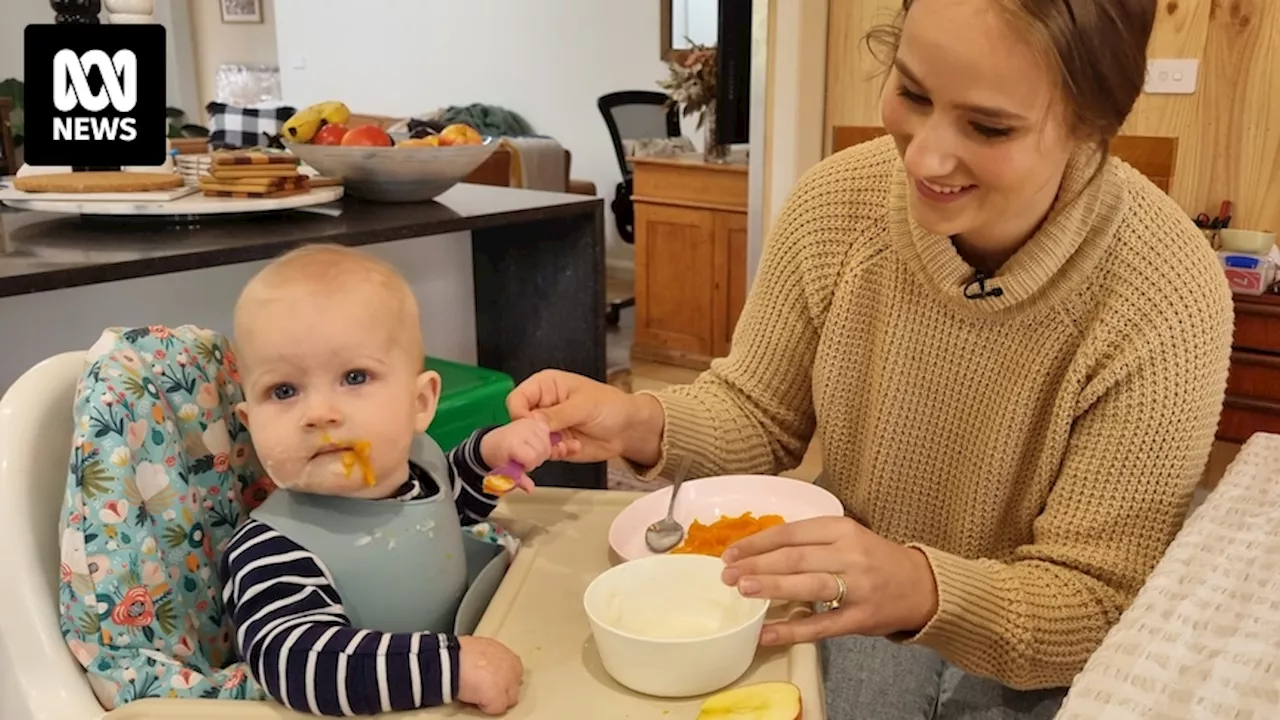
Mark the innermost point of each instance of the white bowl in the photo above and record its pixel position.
(1253, 242)
(706, 499)
(667, 626)
(395, 174)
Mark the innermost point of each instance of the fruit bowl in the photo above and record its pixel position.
(395, 174)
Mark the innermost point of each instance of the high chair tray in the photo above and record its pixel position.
(537, 612)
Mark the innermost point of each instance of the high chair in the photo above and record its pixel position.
(39, 678)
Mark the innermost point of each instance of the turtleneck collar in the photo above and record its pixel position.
(1051, 265)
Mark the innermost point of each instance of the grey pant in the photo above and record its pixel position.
(874, 679)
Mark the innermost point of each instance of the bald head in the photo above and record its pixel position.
(328, 278)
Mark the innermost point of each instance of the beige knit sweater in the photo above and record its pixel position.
(1040, 447)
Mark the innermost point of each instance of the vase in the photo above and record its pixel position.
(712, 150)
(76, 12)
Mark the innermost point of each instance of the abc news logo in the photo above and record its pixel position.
(71, 91)
(95, 95)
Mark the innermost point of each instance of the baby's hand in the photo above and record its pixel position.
(525, 443)
(490, 676)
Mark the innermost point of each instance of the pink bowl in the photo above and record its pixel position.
(706, 499)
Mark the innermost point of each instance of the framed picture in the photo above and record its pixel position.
(241, 11)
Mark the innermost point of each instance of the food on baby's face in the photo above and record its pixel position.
(758, 701)
(360, 453)
(715, 538)
(368, 135)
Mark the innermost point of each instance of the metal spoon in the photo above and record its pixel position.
(667, 533)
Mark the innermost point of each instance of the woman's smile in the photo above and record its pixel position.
(941, 193)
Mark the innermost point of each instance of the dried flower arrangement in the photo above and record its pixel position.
(691, 83)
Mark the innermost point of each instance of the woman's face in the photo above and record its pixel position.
(978, 122)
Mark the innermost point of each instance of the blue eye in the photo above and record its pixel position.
(356, 377)
(283, 391)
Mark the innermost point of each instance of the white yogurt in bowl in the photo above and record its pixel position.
(667, 626)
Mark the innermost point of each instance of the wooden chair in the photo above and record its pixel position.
(1155, 157)
(8, 158)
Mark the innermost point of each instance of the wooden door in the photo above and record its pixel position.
(731, 277)
(675, 283)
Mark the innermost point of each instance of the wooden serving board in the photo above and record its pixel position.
(8, 192)
(190, 202)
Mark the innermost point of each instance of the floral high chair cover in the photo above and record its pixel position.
(161, 473)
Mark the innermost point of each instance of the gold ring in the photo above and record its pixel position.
(842, 589)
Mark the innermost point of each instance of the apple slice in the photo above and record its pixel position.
(760, 701)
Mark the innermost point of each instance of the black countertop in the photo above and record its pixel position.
(43, 251)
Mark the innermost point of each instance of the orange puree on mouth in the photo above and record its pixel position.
(715, 538)
(359, 454)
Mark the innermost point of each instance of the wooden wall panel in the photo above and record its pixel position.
(1228, 132)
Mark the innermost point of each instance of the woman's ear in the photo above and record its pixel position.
(426, 399)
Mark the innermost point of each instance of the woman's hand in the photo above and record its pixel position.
(890, 587)
(597, 421)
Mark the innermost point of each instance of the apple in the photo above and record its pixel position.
(330, 135)
(759, 701)
(460, 134)
(367, 135)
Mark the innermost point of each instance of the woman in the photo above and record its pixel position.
(1016, 349)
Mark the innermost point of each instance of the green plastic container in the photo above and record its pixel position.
(470, 398)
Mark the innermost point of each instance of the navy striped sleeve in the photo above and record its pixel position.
(294, 634)
(467, 469)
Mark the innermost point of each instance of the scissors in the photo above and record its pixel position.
(1223, 219)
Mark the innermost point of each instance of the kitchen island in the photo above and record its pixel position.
(507, 279)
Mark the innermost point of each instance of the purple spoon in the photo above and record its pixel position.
(508, 476)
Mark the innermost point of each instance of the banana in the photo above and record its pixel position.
(307, 122)
(334, 112)
(303, 125)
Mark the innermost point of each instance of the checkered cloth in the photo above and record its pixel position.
(1202, 639)
(234, 128)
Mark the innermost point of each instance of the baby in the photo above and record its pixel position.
(331, 349)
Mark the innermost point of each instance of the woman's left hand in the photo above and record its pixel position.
(889, 587)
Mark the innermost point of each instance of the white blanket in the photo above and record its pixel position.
(1202, 638)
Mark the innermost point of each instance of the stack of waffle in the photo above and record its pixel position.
(253, 175)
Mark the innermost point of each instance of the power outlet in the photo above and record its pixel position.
(1175, 76)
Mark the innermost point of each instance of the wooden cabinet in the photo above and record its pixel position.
(1253, 384)
(691, 258)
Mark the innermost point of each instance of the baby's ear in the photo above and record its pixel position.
(242, 413)
(426, 398)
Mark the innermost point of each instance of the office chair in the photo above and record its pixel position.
(633, 115)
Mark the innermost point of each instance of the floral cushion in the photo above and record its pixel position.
(161, 473)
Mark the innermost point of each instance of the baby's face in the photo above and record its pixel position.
(333, 397)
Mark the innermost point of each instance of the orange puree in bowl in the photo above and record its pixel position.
(715, 538)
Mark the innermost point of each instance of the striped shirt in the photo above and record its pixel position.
(295, 635)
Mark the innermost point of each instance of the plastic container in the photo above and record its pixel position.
(1247, 274)
(470, 398)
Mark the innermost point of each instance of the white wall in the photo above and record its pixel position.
(215, 42)
(16, 15)
(549, 60)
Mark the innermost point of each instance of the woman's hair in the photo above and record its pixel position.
(1099, 48)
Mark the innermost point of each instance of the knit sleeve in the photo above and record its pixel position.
(1141, 437)
(752, 411)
